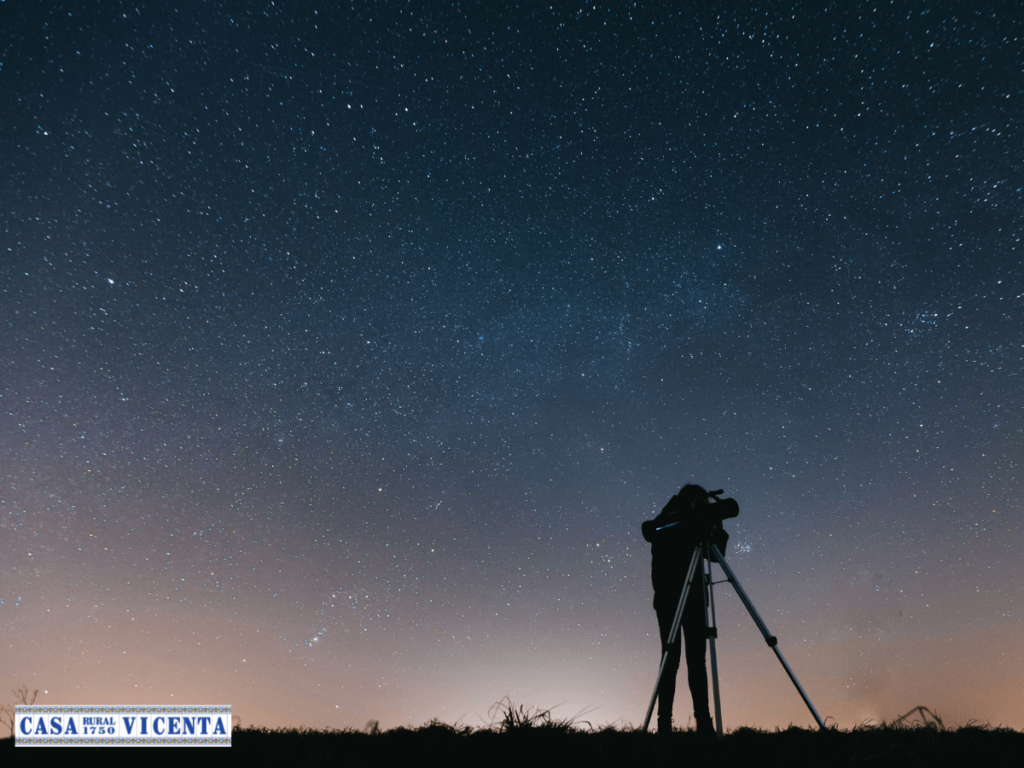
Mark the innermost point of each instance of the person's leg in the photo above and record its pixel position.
(695, 634)
(667, 687)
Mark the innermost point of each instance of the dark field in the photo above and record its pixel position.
(897, 746)
(549, 743)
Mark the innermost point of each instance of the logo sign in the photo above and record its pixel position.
(38, 726)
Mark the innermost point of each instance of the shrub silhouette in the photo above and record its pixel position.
(7, 710)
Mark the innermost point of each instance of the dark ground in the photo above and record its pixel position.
(548, 745)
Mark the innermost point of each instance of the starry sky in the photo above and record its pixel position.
(345, 348)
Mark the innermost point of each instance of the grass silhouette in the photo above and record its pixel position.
(518, 733)
(508, 717)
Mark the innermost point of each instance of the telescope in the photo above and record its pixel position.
(712, 513)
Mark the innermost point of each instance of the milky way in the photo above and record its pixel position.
(344, 352)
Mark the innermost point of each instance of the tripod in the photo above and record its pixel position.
(702, 558)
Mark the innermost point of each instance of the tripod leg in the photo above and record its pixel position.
(675, 630)
(768, 636)
(712, 627)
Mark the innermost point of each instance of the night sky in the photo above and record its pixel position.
(345, 349)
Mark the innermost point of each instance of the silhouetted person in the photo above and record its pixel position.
(689, 518)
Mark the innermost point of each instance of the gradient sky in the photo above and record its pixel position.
(345, 349)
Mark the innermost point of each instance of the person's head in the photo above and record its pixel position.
(690, 496)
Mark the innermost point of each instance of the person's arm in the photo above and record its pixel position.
(648, 528)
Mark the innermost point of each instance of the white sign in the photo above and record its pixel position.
(39, 726)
